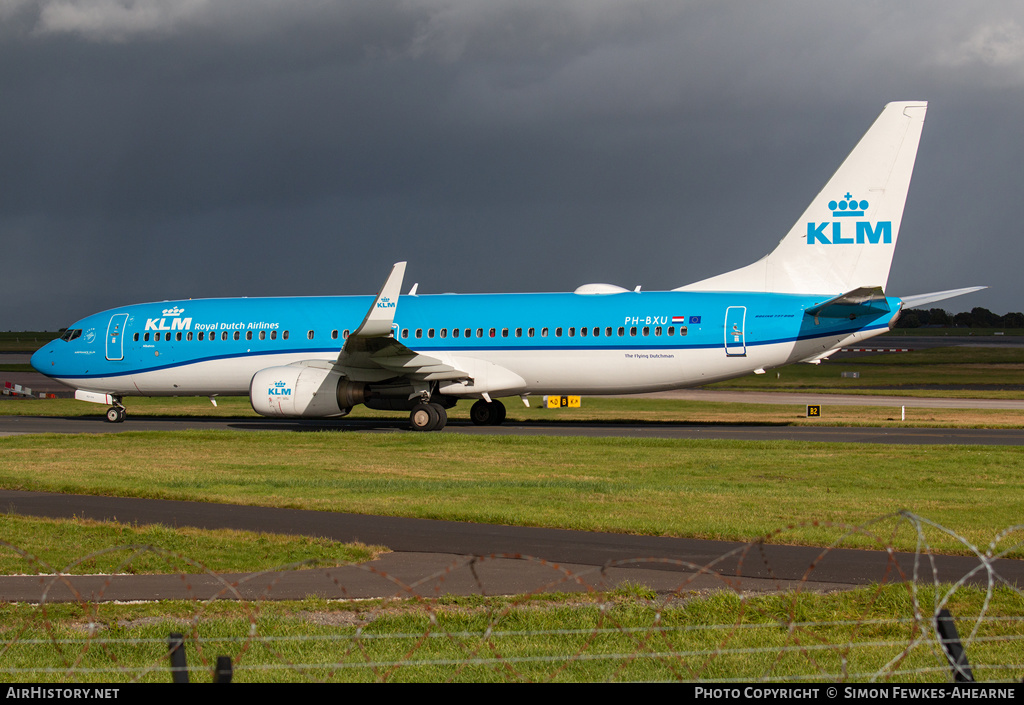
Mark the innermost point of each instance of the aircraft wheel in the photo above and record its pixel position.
(424, 417)
(115, 415)
(484, 413)
(442, 416)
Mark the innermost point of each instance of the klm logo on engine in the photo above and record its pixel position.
(863, 232)
(280, 389)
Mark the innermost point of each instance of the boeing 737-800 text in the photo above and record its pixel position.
(822, 288)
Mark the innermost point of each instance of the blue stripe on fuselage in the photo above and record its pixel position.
(770, 319)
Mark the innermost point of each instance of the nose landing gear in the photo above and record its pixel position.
(116, 413)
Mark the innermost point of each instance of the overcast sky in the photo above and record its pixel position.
(165, 149)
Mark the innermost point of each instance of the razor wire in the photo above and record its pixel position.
(629, 632)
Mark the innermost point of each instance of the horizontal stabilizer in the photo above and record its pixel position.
(857, 302)
(924, 299)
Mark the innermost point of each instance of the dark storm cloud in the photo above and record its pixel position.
(157, 149)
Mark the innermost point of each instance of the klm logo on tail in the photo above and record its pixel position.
(864, 232)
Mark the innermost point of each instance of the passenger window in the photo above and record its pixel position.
(632, 331)
(188, 336)
(479, 332)
(202, 336)
(273, 335)
(248, 335)
(405, 332)
(237, 335)
(572, 332)
(455, 332)
(519, 332)
(491, 333)
(529, 333)
(647, 331)
(344, 334)
(263, 335)
(583, 332)
(334, 335)
(309, 335)
(284, 336)
(657, 330)
(444, 332)
(504, 332)
(146, 336)
(543, 332)
(682, 330)
(608, 331)
(671, 330)
(558, 332)
(430, 332)
(135, 337)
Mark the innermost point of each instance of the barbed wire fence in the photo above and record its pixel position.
(730, 619)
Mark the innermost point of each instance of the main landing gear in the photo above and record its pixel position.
(487, 413)
(428, 416)
(431, 416)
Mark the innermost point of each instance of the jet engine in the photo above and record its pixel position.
(304, 391)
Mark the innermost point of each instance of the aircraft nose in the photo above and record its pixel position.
(41, 359)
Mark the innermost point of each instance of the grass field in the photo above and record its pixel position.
(970, 372)
(706, 489)
(798, 493)
(627, 635)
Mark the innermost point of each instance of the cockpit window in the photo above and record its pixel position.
(70, 334)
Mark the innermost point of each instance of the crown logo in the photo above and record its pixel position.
(848, 207)
(173, 311)
(278, 384)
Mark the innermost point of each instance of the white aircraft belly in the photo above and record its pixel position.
(226, 377)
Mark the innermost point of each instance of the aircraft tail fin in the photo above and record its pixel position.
(846, 237)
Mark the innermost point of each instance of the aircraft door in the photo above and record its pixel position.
(115, 336)
(735, 339)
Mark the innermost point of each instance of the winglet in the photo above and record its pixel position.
(381, 315)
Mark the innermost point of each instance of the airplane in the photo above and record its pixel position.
(822, 288)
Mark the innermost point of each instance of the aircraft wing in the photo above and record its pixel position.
(372, 353)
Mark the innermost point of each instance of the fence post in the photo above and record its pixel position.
(223, 672)
(950, 640)
(179, 665)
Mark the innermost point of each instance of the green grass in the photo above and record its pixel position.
(707, 489)
(987, 372)
(75, 547)
(864, 634)
(24, 341)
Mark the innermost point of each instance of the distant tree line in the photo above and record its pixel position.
(977, 318)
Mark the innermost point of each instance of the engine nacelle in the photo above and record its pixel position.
(299, 391)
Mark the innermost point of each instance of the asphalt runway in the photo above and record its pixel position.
(431, 558)
(16, 425)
